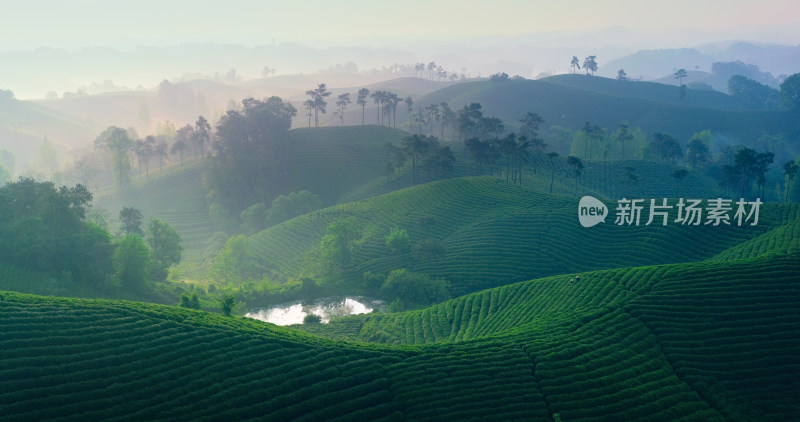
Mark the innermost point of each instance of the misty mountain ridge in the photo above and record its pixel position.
(29, 72)
(770, 61)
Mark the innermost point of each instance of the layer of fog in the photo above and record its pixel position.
(37, 72)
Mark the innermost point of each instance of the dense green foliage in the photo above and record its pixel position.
(131, 263)
(118, 142)
(412, 289)
(49, 241)
(165, 244)
(44, 228)
(249, 160)
(753, 94)
(790, 93)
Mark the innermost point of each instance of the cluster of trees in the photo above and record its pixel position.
(143, 254)
(435, 70)
(589, 64)
(258, 216)
(410, 289)
(248, 165)
(425, 153)
(737, 168)
(426, 118)
(748, 166)
(48, 229)
(121, 144)
(484, 140)
(385, 101)
(45, 229)
(754, 94)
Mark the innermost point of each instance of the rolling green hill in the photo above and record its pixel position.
(333, 161)
(24, 124)
(572, 100)
(495, 233)
(648, 91)
(681, 342)
(342, 159)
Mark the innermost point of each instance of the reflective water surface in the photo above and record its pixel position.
(294, 312)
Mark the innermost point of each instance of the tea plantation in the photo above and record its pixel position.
(702, 341)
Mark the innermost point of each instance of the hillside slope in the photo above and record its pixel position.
(342, 159)
(495, 233)
(571, 105)
(24, 124)
(177, 197)
(651, 91)
(682, 342)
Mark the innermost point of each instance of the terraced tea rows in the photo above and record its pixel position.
(701, 341)
(342, 158)
(783, 239)
(94, 360)
(731, 332)
(495, 234)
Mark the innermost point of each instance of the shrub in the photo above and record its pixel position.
(414, 288)
(312, 319)
(398, 241)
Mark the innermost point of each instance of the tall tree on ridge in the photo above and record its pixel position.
(624, 134)
(318, 102)
(117, 140)
(552, 156)
(363, 93)
(575, 64)
(576, 166)
(343, 100)
(679, 75)
(410, 109)
(789, 172)
(415, 145)
(392, 100)
(379, 97)
(590, 64)
(202, 134)
(448, 116)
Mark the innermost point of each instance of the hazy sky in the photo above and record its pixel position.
(79, 23)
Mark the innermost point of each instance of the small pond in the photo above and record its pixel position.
(326, 308)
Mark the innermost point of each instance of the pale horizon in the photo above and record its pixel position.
(51, 46)
(90, 23)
